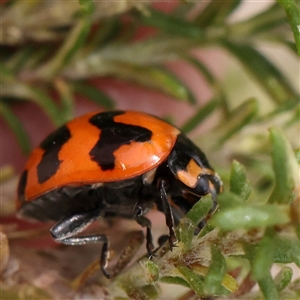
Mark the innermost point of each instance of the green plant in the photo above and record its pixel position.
(257, 224)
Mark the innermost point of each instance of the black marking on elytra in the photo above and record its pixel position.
(50, 162)
(22, 186)
(113, 135)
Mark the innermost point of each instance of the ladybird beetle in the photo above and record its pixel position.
(113, 164)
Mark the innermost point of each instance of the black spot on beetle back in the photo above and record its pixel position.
(50, 162)
(113, 136)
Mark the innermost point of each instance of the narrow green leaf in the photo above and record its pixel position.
(239, 184)
(283, 278)
(294, 120)
(264, 257)
(66, 98)
(18, 60)
(266, 20)
(248, 216)
(229, 199)
(216, 12)
(195, 281)
(287, 250)
(285, 167)
(16, 127)
(5, 74)
(292, 10)
(268, 288)
(237, 119)
(151, 270)
(203, 113)
(174, 280)
(26, 92)
(94, 94)
(211, 80)
(47, 104)
(171, 24)
(155, 77)
(200, 209)
(71, 45)
(265, 72)
(297, 154)
(108, 28)
(186, 233)
(87, 6)
(216, 272)
(150, 291)
(38, 57)
(209, 77)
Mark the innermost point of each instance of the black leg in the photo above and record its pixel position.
(144, 222)
(168, 213)
(64, 231)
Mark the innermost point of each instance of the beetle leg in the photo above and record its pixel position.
(64, 231)
(144, 222)
(168, 213)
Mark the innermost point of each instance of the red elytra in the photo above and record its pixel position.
(77, 167)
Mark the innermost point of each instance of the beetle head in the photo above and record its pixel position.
(190, 166)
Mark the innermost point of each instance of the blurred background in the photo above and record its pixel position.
(223, 72)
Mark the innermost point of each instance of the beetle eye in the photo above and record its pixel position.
(202, 187)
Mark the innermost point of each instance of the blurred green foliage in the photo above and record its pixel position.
(257, 224)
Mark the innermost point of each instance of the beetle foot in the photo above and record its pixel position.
(107, 275)
(172, 242)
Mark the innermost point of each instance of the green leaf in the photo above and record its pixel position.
(6, 75)
(186, 233)
(291, 8)
(287, 250)
(23, 91)
(174, 280)
(216, 12)
(46, 103)
(154, 77)
(172, 25)
(250, 216)
(229, 200)
(203, 113)
(265, 21)
(16, 126)
(265, 72)
(239, 184)
(151, 270)
(108, 29)
(297, 155)
(195, 281)
(216, 272)
(87, 6)
(285, 167)
(94, 94)
(209, 77)
(200, 209)
(67, 51)
(264, 257)
(237, 119)
(283, 278)
(18, 60)
(66, 98)
(268, 288)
